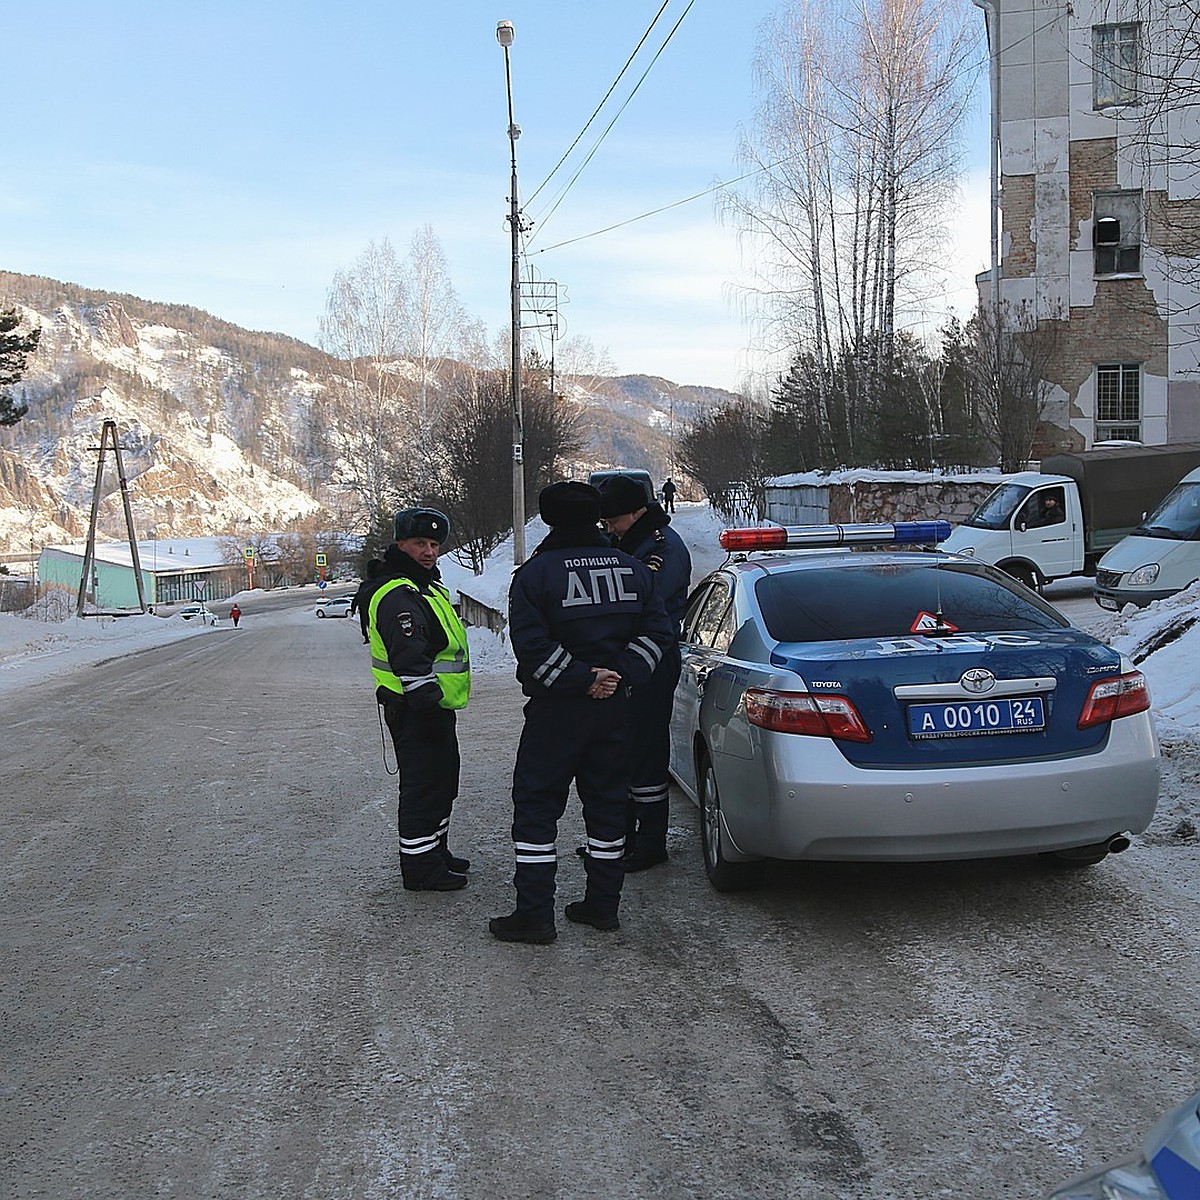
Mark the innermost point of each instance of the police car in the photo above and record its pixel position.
(1168, 1167)
(869, 699)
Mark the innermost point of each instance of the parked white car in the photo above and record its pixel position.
(337, 607)
(193, 612)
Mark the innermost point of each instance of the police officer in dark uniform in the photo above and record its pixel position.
(639, 526)
(422, 673)
(586, 625)
(361, 603)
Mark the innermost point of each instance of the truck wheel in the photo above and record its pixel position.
(1022, 574)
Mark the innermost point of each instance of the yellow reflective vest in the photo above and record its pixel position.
(451, 665)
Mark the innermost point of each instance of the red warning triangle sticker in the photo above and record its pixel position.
(926, 622)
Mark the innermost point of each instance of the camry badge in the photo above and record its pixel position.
(977, 679)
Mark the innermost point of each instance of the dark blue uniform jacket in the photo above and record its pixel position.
(652, 540)
(579, 603)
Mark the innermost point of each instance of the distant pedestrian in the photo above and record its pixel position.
(361, 603)
(235, 614)
(668, 495)
(586, 624)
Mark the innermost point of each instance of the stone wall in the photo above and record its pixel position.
(878, 499)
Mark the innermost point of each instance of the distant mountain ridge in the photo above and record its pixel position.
(217, 423)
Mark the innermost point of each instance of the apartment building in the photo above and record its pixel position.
(1096, 183)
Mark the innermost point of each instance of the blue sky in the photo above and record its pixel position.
(233, 156)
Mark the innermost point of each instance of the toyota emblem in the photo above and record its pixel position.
(977, 679)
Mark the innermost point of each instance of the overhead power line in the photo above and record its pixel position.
(607, 129)
(602, 103)
(716, 187)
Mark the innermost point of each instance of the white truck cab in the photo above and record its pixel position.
(1031, 526)
(1160, 557)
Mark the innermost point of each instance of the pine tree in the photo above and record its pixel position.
(15, 348)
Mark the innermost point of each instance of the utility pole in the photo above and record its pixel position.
(504, 35)
(109, 432)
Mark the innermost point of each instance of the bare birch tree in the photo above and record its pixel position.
(856, 148)
(437, 326)
(371, 408)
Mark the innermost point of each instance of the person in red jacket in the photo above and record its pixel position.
(235, 614)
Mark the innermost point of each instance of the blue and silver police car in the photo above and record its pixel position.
(1168, 1167)
(871, 698)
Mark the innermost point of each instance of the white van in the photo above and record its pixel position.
(1160, 557)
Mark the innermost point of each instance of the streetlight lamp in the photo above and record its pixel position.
(504, 35)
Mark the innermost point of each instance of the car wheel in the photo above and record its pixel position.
(320, 612)
(724, 875)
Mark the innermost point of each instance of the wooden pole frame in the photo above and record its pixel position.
(109, 431)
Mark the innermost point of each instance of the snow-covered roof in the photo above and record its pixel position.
(869, 475)
(173, 554)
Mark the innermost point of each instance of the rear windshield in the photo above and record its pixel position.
(895, 600)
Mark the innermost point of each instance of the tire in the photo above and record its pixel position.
(1022, 575)
(724, 875)
(321, 613)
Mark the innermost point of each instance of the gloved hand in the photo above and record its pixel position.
(424, 700)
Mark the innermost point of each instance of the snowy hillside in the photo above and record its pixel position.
(218, 424)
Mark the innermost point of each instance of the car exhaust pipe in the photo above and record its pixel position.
(1087, 856)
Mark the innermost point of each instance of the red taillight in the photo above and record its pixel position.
(801, 712)
(768, 537)
(1109, 699)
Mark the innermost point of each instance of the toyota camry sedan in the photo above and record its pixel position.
(851, 693)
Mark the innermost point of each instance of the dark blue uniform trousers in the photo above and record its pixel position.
(427, 761)
(569, 738)
(650, 754)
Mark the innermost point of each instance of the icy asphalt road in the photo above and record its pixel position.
(214, 985)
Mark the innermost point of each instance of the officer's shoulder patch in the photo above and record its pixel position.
(404, 623)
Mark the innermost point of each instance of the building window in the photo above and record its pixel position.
(1115, 54)
(1117, 232)
(1119, 402)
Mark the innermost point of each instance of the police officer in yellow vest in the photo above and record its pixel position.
(422, 673)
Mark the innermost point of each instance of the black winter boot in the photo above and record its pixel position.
(447, 881)
(582, 913)
(651, 846)
(517, 928)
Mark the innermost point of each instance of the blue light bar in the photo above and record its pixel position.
(922, 531)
